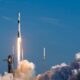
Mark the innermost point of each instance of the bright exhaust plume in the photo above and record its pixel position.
(18, 50)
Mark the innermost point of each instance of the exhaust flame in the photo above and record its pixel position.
(18, 49)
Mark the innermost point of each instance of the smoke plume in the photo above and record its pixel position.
(26, 70)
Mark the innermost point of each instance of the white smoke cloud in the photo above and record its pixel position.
(25, 71)
(75, 71)
(59, 66)
(77, 56)
(38, 77)
(25, 66)
(7, 76)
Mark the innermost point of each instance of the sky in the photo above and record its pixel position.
(53, 24)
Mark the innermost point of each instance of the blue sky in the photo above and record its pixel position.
(53, 24)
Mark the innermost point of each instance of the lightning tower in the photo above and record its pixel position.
(44, 59)
(44, 55)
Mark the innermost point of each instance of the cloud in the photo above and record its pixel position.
(6, 18)
(52, 21)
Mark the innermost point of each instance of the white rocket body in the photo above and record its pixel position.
(19, 43)
(19, 29)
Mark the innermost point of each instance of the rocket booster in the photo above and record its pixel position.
(19, 42)
(19, 31)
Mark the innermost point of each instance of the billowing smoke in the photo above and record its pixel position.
(77, 56)
(59, 66)
(25, 70)
(7, 76)
(63, 71)
(26, 67)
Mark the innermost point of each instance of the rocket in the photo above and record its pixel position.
(19, 30)
(19, 42)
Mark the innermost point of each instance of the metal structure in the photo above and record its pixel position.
(10, 62)
(44, 59)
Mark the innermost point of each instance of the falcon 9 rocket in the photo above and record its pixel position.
(19, 42)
